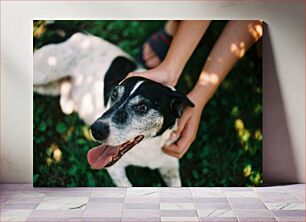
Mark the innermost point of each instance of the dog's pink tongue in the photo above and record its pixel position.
(101, 155)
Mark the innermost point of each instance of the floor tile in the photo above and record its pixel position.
(175, 192)
(103, 213)
(285, 206)
(3, 200)
(207, 192)
(141, 213)
(141, 200)
(54, 219)
(7, 193)
(141, 206)
(109, 193)
(248, 206)
(224, 205)
(62, 203)
(10, 186)
(178, 213)
(2, 204)
(27, 187)
(253, 219)
(274, 197)
(106, 200)
(291, 219)
(240, 194)
(210, 200)
(176, 200)
(218, 219)
(57, 213)
(244, 200)
(142, 192)
(300, 195)
(67, 194)
(238, 189)
(101, 219)
(30, 200)
(179, 219)
(280, 200)
(253, 213)
(175, 189)
(177, 206)
(140, 219)
(30, 188)
(26, 194)
(20, 206)
(24, 202)
(216, 213)
(289, 213)
(109, 206)
(296, 187)
(14, 214)
(110, 189)
(278, 189)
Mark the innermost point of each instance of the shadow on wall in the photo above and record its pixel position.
(278, 160)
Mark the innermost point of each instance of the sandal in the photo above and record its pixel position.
(160, 43)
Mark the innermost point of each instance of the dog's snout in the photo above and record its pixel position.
(99, 130)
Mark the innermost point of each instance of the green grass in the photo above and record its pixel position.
(228, 148)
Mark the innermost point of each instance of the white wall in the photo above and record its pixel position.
(286, 33)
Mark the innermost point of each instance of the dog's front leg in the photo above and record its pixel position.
(119, 177)
(171, 175)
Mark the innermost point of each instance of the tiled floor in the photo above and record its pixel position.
(22, 202)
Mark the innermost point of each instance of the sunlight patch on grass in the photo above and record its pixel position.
(54, 154)
(57, 155)
(255, 178)
(86, 133)
(247, 170)
(258, 135)
(239, 125)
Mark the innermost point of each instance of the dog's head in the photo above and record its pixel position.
(138, 108)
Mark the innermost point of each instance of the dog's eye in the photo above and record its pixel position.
(114, 94)
(142, 107)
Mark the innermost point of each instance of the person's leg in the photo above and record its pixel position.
(149, 55)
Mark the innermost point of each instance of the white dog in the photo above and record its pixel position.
(138, 114)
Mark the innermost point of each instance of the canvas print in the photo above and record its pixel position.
(147, 103)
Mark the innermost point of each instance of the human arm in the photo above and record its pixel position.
(187, 37)
(234, 41)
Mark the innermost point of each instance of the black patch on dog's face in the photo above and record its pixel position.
(117, 71)
(152, 96)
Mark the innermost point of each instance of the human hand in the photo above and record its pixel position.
(162, 74)
(187, 128)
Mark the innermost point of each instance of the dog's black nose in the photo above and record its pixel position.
(99, 130)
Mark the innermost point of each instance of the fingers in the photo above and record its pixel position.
(182, 145)
(180, 126)
(180, 148)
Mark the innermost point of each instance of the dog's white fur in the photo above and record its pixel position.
(75, 70)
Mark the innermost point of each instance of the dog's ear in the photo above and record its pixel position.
(178, 102)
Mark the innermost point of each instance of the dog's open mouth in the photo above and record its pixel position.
(105, 155)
